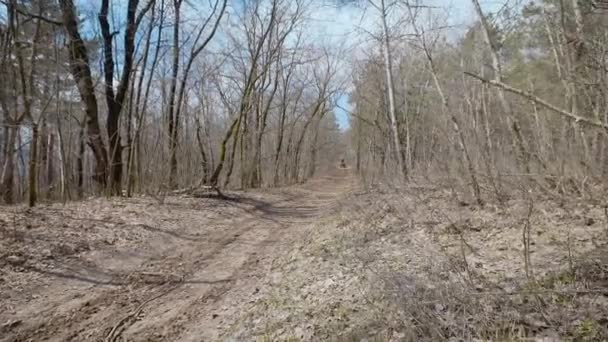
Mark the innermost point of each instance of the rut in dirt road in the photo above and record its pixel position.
(199, 270)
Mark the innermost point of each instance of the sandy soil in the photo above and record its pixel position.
(140, 270)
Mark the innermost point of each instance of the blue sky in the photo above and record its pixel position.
(345, 26)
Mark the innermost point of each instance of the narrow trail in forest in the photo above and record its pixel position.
(182, 281)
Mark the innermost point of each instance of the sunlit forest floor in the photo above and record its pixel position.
(413, 263)
(329, 259)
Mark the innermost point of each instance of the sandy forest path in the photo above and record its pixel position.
(140, 270)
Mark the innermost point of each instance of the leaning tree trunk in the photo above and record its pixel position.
(496, 65)
(81, 71)
(218, 169)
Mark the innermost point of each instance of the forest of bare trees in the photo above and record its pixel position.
(519, 98)
(303, 170)
(160, 95)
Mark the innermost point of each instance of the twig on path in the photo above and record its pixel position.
(121, 326)
(544, 291)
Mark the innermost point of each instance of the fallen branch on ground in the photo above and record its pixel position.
(193, 190)
(546, 291)
(119, 327)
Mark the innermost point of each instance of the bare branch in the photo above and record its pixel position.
(539, 101)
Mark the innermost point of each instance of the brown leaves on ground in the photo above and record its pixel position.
(413, 264)
(143, 270)
(319, 261)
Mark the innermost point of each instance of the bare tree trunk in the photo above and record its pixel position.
(388, 67)
(204, 138)
(235, 143)
(281, 131)
(50, 164)
(358, 151)
(8, 179)
(80, 160)
(255, 174)
(446, 111)
(81, 71)
(289, 163)
(33, 169)
(172, 91)
(201, 145)
(319, 110)
(244, 144)
(21, 181)
(312, 166)
(459, 133)
(512, 120)
(135, 173)
(277, 155)
(28, 91)
(580, 32)
(44, 157)
(175, 108)
(64, 163)
(218, 169)
(115, 101)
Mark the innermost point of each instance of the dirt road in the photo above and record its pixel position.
(141, 270)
